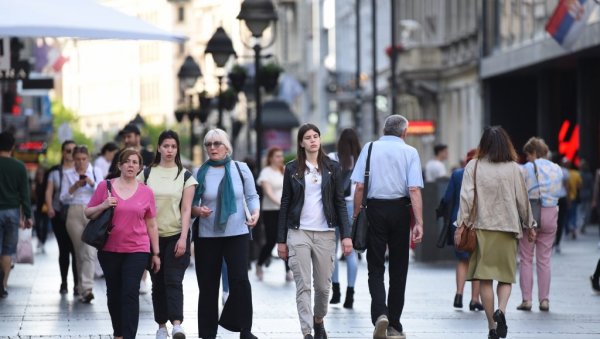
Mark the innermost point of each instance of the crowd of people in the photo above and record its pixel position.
(166, 215)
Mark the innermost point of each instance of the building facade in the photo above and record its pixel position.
(535, 87)
(438, 73)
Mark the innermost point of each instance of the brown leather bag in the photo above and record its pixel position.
(467, 237)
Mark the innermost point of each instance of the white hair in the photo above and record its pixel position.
(395, 125)
(218, 134)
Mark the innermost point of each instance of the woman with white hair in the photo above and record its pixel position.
(224, 193)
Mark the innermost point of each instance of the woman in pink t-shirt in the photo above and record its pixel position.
(127, 251)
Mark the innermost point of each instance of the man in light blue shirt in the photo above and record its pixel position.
(394, 187)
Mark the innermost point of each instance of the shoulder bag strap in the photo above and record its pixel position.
(147, 174)
(240, 173)
(473, 214)
(367, 175)
(537, 180)
(109, 187)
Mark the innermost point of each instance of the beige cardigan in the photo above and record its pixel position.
(502, 200)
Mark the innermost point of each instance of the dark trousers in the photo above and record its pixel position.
(41, 226)
(123, 272)
(270, 219)
(237, 311)
(388, 227)
(65, 248)
(167, 286)
(563, 207)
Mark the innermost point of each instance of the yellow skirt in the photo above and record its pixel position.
(495, 257)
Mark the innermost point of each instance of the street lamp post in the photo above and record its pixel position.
(188, 74)
(221, 49)
(257, 15)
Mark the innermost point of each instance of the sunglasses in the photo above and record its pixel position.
(69, 150)
(214, 144)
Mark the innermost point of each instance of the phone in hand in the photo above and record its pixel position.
(82, 177)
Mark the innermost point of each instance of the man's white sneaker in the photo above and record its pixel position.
(178, 332)
(162, 333)
(381, 326)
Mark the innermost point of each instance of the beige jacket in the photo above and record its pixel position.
(502, 200)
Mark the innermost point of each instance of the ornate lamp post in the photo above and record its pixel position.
(188, 74)
(258, 15)
(221, 49)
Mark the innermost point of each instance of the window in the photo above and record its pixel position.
(180, 14)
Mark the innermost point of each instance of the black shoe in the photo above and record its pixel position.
(493, 335)
(475, 306)
(309, 336)
(595, 283)
(246, 334)
(458, 301)
(63, 288)
(335, 295)
(500, 320)
(319, 330)
(3, 292)
(87, 298)
(349, 301)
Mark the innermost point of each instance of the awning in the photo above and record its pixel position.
(277, 114)
(85, 19)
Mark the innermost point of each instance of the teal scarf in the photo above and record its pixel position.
(226, 204)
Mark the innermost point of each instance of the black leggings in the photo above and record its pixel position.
(270, 219)
(65, 248)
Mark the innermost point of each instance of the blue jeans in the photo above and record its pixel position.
(351, 260)
(123, 272)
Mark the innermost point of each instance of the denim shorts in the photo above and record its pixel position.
(9, 231)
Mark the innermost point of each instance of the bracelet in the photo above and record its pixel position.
(157, 254)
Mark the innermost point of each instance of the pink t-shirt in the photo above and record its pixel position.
(129, 234)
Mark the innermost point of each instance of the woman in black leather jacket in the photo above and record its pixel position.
(312, 205)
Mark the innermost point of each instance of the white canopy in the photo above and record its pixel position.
(85, 19)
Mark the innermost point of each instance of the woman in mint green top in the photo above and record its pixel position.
(173, 188)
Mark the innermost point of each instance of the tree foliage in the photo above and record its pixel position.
(60, 115)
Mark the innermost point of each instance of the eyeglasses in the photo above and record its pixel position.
(214, 144)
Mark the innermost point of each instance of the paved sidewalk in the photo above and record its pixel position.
(35, 309)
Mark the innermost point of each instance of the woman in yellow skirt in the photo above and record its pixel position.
(503, 212)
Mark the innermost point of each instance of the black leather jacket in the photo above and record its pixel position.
(292, 199)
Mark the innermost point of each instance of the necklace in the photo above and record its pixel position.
(314, 175)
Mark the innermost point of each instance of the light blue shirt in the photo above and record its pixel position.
(548, 184)
(236, 224)
(395, 166)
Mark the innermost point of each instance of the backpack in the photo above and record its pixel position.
(186, 175)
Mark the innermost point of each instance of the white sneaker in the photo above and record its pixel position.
(143, 287)
(225, 296)
(178, 332)
(162, 333)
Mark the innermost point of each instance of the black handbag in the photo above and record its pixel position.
(360, 225)
(97, 230)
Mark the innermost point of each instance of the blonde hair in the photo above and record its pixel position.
(218, 134)
(536, 146)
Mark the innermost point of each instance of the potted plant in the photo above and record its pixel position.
(229, 98)
(268, 76)
(237, 77)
